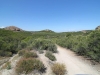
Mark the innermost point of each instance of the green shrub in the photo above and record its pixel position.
(29, 48)
(50, 56)
(9, 54)
(44, 44)
(52, 48)
(30, 54)
(5, 53)
(94, 46)
(27, 54)
(21, 52)
(58, 69)
(28, 65)
(41, 51)
(8, 65)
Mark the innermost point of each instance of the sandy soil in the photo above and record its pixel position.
(3, 60)
(47, 63)
(13, 61)
(74, 64)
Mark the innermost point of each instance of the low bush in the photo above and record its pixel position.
(30, 54)
(41, 51)
(8, 54)
(52, 48)
(29, 48)
(5, 53)
(27, 54)
(58, 69)
(21, 52)
(50, 55)
(28, 65)
(8, 65)
(44, 44)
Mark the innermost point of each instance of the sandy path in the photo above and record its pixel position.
(47, 64)
(74, 64)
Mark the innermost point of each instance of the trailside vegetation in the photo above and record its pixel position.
(58, 69)
(25, 66)
(50, 56)
(85, 43)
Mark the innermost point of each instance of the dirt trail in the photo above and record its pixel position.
(74, 64)
(47, 63)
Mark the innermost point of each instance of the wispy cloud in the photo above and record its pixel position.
(2, 27)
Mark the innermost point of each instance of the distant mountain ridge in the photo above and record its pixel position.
(46, 30)
(13, 28)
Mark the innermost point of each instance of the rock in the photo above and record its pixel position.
(98, 28)
(13, 28)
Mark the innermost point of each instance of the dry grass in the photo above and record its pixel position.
(7, 65)
(27, 65)
(58, 69)
(3, 60)
(27, 54)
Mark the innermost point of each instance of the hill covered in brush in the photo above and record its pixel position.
(85, 44)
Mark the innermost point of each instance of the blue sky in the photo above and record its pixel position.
(57, 15)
